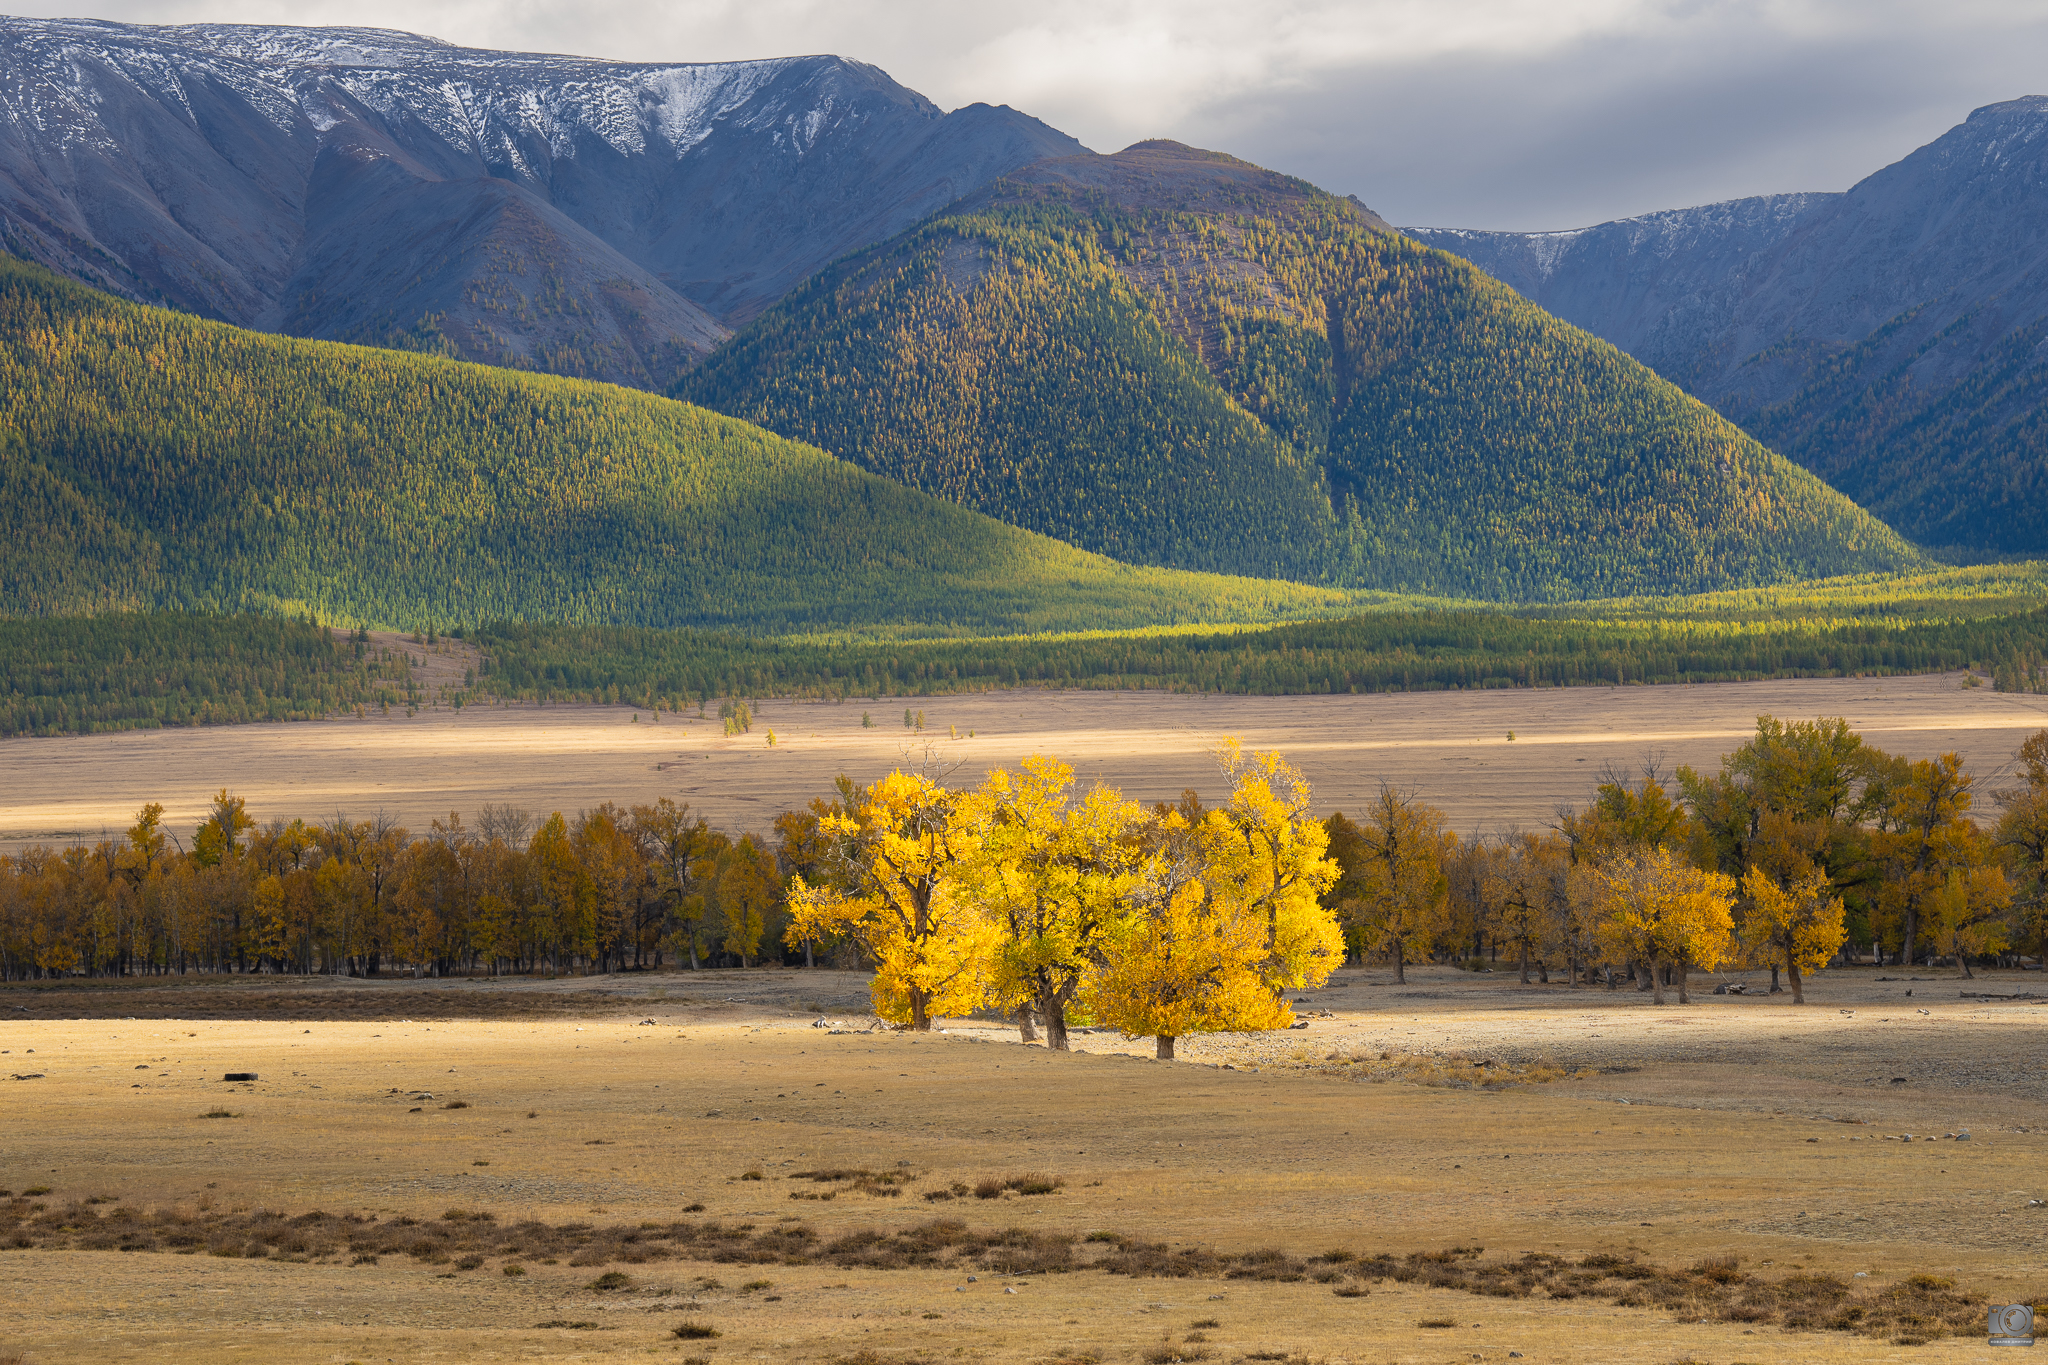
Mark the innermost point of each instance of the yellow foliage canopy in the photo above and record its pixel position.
(932, 948)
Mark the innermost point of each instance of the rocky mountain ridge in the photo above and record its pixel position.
(588, 217)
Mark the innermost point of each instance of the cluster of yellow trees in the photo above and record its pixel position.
(1028, 894)
(1032, 896)
(1805, 844)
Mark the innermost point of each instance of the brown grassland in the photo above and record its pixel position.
(1450, 748)
(1698, 1183)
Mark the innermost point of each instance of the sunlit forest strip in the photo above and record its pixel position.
(70, 675)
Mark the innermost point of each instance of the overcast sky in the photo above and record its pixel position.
(1454, 113)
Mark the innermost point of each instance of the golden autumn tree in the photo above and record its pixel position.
(1967, 914)
(1658, 908)
(566, 899)
(219, 835)
(1525, 891)
(1057, 872)
(1398, 894)
(1229, 913)
(1800, 924)
(932, 949)
(746, 895)
(1927, 835)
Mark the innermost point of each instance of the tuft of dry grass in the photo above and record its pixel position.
(456, 1104)
(691, 1330)
(1446, 1070)
(857, 1180)
(996, 1186)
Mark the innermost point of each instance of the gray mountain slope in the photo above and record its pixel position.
(1893, 338)
(1637, 280)
(599, 218)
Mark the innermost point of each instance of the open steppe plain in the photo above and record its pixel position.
(1450, 748)
(1736, 1125)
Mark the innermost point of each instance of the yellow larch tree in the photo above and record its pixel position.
(1967, 914)
(1399, 897)
(1659, 909)
(932, 949)
(1800, 925)
(1056, 871)
(1229, 914)
(1927, 835)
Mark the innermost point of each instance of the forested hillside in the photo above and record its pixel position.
(149, 459)
(1176, 358)
(1887, 338)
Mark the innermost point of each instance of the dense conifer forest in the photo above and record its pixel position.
(153, 460)
(1185, 360)
(124, 671)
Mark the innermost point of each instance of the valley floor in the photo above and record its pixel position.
(1451, 748)
(1737, 1125)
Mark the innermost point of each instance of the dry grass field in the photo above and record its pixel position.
(1737, 1126)
(1449, 747)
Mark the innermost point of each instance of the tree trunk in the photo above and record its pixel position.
(1026, 1031)
(1656, 983)
(1165, 1053)
(1774, 978)
(1056, 1027)
(1525, 962)
(1912, 932)
(1963, 961)
(1400, 976)
(1792, 974)
(808, 964)
(1052, 1007)
(919, 1020)
(1684, 981)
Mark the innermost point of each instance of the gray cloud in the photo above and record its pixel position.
(1471, 113)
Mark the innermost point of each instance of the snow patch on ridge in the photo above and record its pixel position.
(499, 104)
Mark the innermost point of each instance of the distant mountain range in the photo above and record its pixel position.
(593, 218)
(1173, 357)
(1166, 356)
(1893, 339)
